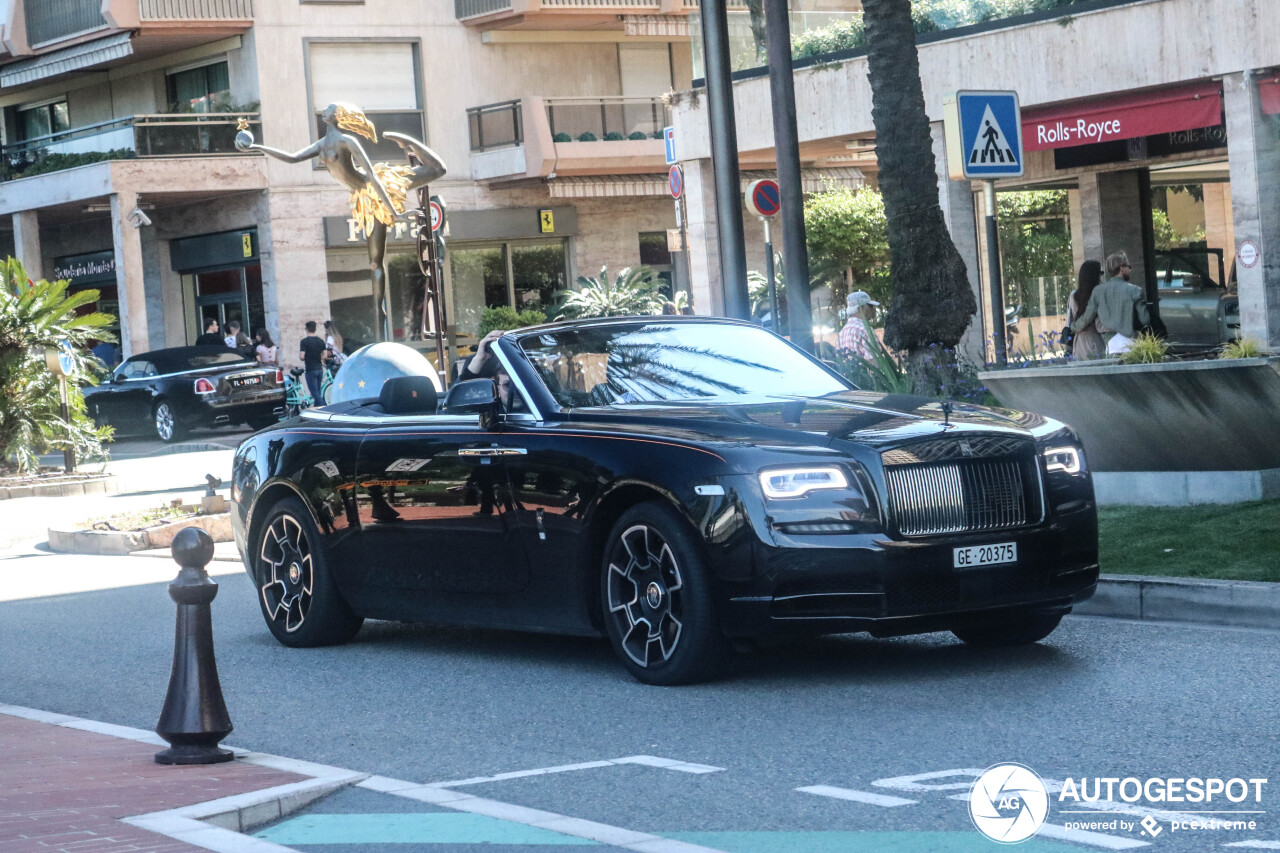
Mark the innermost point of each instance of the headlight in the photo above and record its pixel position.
(797, 482)
(1069, 460)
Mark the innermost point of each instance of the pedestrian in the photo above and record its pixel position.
(1117, 306)
(687, 310)
(239, 341)
(1088, 344)
(211, 337)
(669, 307)
(333, 344)
(856, 335)
(311, 352)
(267, 351)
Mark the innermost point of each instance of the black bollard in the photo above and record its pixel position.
(194, 719)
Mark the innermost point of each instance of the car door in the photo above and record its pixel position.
(435, 508)
(125, 403)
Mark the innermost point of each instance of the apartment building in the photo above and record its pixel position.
(120, 173)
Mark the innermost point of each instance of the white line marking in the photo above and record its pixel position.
(643, 760)
(1256, 845)
(1097, 839)
(912, 783)
(857, 796)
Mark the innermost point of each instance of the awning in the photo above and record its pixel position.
(1125, 116)
(617, 186)
(1269, 94)
(86, 55)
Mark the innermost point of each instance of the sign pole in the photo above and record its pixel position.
(769, 273)
(68, 452)
(993, 273)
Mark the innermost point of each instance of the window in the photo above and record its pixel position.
(43, 120)
(523, 275)
(206, 89)
(381, 78)
(654, 253)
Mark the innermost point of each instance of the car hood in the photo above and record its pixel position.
(870, 418)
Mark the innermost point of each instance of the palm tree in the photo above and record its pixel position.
(633, 291)
(933, 303)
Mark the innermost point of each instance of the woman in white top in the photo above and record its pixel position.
(268, 352)
(333, 343)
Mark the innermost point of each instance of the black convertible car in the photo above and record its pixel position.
(680, 485)
(170, 391)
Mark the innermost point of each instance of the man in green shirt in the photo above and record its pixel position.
(1115, 303)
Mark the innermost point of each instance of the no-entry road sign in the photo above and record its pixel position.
(675, 181)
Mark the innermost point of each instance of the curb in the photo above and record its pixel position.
(1235, 604)
(97, 484)
(118, 543)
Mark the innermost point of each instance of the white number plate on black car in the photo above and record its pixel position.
(985, 555)
(245, 381)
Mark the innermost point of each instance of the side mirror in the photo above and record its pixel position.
(475, 396)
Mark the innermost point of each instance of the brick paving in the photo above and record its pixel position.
(64, 789)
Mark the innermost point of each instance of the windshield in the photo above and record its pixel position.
(646, 362)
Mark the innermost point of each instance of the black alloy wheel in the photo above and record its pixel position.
(1019, 630)
(656, 595)
(299, 601)
(166, 423)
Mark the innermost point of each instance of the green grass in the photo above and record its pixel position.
(1233, 542)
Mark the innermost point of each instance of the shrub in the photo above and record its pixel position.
(58, 162)
(506, 317)
(562, 137)
(637, 135)
(1146, 349)
(613, 136)
(587, 136)
(633, 291)
(1242, 348)
(34, 316)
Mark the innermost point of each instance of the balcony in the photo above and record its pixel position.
(562, 14)
(171, 135)
(533, 136)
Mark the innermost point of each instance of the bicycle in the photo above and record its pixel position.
(296, 395)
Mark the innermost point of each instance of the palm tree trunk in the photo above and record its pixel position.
(932, 301)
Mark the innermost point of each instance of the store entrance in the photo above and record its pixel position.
(229, 295)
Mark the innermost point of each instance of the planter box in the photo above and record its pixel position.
(120, 542)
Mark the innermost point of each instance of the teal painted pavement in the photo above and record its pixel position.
(412, 828)
(445, 828)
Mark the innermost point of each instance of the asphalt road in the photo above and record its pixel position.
(1099, 699)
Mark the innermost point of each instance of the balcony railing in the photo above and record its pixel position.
(52, 20)
(496, 126)
(605, 119)
(171, 135)
(475, 8)
(194, 10)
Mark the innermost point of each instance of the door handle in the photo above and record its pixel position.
(473, 452)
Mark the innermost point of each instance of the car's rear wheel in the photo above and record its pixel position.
(1019, 630)
(297, 595)
(656, 593)
(166, 423)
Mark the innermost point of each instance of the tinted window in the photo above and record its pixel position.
(654, 361)
(197, 361)
(136, 369)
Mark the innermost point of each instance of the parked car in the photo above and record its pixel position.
(1198, 309)
(171, 391)
(679, 485)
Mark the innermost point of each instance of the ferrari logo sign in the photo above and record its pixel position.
(547, 220)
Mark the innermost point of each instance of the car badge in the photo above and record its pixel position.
(966, 448)
(946, 412)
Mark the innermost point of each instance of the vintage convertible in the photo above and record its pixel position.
(683, 486)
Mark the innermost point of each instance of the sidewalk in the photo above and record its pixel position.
(75, 785)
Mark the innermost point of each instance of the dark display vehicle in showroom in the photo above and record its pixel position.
(681, 486)
(168, 392)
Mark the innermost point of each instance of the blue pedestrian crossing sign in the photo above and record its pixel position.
(984, 135)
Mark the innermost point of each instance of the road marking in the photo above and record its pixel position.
(1256, 845)
(414, 828)
(967, 841)
(1084, 836)
(912, 783)
(643, 760)
(857, 796)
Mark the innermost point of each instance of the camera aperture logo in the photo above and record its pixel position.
(1008, 803)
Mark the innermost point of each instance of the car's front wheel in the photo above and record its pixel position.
(659, 611)
(1019, 630)
(296, 592)
(168, 428)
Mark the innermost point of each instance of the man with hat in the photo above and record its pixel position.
(856, 334)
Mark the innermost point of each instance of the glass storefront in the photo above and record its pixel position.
(524, 275)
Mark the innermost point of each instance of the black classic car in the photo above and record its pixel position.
(170, 391)
(681, 485)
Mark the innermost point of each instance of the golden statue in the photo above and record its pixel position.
(378, 190)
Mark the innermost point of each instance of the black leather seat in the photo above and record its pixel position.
(408, 395)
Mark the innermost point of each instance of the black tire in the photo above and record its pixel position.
(1020, 630)
(286, 555)
(166, 424)
(654, 571)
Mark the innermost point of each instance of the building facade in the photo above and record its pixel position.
(121, 174)
(1122, 101)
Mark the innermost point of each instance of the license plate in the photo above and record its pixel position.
(246, 381)
(985, 555)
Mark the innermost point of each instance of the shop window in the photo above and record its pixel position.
(206, 89)
(654, 253)
(538, 271)
(381, 78)
(43, 119)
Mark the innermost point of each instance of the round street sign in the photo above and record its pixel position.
(1249, 254)
(437, 215)
(675, 180)
(764, 198)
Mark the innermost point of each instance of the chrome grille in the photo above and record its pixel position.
(957, 497)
